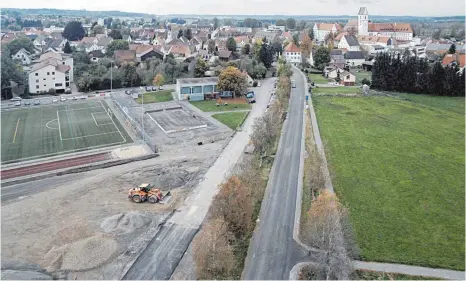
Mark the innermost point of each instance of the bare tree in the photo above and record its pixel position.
(323, 230)
(213, 256)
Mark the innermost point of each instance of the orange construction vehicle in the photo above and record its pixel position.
(148, 192)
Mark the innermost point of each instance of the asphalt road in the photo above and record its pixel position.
(163, 254)
(273, 252)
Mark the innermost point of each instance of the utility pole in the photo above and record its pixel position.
(111, 76)
(142, 115)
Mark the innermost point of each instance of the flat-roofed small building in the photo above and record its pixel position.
(196, 88)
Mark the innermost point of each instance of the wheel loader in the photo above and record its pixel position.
(148, 192)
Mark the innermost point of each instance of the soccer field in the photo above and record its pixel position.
(49, 130)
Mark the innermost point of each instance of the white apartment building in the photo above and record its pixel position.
(51, 71)
(274, 27)
(292, 53)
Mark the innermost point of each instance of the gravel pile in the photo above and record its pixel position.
(81, 255)
(125, 222)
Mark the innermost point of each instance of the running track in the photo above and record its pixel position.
(50, 166)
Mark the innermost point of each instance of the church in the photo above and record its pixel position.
(363, 26)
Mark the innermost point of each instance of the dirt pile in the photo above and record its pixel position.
(125, 222)
(83, 254)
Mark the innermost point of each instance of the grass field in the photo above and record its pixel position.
(336, 90)
(361, 75)
(318, 78)
(55, 129)
(210, 106)
(399, 166)
(160, 96)
(231, 119)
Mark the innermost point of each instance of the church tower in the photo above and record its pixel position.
(363, 21)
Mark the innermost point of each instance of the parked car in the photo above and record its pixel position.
(148, 89)
(27, 103)
(127, 92)
(54, 100)
(250, 97)
(293, 84)
(18, 103)
(36, 102)
(75, 98)
(16, 99)
(160, 87)
(226, 94)
(154, 89)
(83, 97)
(62, 99)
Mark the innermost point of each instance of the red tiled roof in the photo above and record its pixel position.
(390, 27)
(328, 26)
(291, 47)
(458, 58)
(125, 55)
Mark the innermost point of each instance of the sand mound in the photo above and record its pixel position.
(71, 234)
(89, 253)
(54, 257)
(125, 222)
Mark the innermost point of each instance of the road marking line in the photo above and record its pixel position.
(101, 134)
(14, 136)
(59, 129)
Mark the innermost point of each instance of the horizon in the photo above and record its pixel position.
(256, 8)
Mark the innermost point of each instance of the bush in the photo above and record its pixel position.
(366, 81)
(254, 84)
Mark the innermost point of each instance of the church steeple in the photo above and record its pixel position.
(363, 21)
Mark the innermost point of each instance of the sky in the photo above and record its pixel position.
(257, 7)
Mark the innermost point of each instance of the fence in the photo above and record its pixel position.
(131, 124)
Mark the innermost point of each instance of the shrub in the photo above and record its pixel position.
(366, 81)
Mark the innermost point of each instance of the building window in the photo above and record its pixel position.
(37, 87)
(44, 79)
(37, 74)
(58, 84)
(45, 85)
(53, 73)
(48, 73)
(37, 80)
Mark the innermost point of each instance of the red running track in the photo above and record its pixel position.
(46, 167)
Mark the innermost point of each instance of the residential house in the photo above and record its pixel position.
(24, 56)
(125, 56)
(321, 30)
(269, 36)
(349, 42)
(56, 44)
(143, 52)
(158, 41)
(337, 59)
(225, 55)
(375, 49)
(96, 55)
(40, 42)
(248, 78)
(275, 28)
(347, 78)
(204, 54)
(240, 42)
(439, 48)
(181, 51)
(127, 38)
(354, 58)
(51, 71)
(196, 42)
(103, 43)
(454, 59)
(332, 73)
(292, 53)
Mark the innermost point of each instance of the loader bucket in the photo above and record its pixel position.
(166, 198)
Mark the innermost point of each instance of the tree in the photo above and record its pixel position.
(266, 55)
(280, 22)
(115, 34)
(311, 34)
(201, 68)
(277, 46)
(116, 45)
(10, 71)
(324, 228)
(234, 193)
(284, 69)
(231, 79)
(19, 43)
(188, 33)
(437, 34)
(302, 25)
(437, 79)
(296, 39)
(246, 49)
(249, 22)
(322, 57)
(452, 49)
(306, 47)
(290, 23)
(67, 49)
(108, 23)
(159, 80)
(216, 23)
(180, 34)
(231, 44)
(211, 46)
(98, 29)
(213, 256)
(74, 31)
(259, 71)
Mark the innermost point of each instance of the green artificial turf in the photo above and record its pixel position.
(159, 96)
(231, 119)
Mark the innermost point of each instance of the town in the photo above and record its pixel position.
(145, 147)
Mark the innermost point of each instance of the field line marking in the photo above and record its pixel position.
(16, 130)
(47, 125)
(80, 137)
(79, 108)
(95, 121)
(158, 124)
(59, 129)
(69, 125)
(124, 139)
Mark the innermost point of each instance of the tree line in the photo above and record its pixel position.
(221, 246)
(415, 75)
